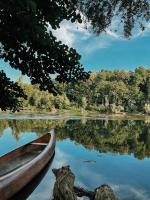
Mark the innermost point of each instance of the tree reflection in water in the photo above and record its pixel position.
(119, 136)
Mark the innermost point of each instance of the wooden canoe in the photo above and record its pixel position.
(28, 189)
(20, 166)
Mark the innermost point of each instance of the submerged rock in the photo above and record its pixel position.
(104, 192)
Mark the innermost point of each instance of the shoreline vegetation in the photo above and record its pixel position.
(106, 92)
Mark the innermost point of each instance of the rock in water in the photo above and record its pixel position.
(64, 185)
(104, 192)
(64, 188)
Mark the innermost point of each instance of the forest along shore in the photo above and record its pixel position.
(116, 92)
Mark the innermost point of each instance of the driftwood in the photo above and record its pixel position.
(64, 188)
(80, 192)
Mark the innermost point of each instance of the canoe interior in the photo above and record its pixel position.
(22, 155)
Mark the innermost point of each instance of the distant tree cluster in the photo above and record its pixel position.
(105, 92)
(42, 100)
(114, 91)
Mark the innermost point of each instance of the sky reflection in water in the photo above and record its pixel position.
(122, 156)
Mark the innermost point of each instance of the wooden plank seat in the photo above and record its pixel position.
(38, 143)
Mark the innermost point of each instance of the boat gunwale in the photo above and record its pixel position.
(22, 146)
(34, 160)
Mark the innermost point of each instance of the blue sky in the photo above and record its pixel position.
(107, 51)
(120, 55)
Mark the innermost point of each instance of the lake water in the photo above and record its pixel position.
(98, 150)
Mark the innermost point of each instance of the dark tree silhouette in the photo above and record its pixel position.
(9, 93)
(128, 13)
(27, 45)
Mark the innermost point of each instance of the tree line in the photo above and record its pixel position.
(105, 92)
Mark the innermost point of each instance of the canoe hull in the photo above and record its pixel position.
(16, 180)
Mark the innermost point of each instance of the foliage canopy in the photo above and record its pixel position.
(104, 92)
(27, 45)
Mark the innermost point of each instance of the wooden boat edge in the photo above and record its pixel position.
(19, 148)
(27, 172)
(34, 159)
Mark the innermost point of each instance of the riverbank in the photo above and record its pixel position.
(78, 113)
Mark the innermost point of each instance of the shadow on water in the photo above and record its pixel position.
(30, 187)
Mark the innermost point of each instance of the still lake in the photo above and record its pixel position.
(98, 150)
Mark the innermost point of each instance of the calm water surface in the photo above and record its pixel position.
(119, 151)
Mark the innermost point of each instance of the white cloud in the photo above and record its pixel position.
(113, 34)
(130, 192)
(69, 32)
(139, 194)
(65, 35)
(77, 36)
(115, 31)
(61, 158)
(97, 43)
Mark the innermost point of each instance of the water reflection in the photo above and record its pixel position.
(29, 125)
(110, 136)
(118, 136)
(121, 149)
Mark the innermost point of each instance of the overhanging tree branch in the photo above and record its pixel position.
(28, 46)
(9, 93)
